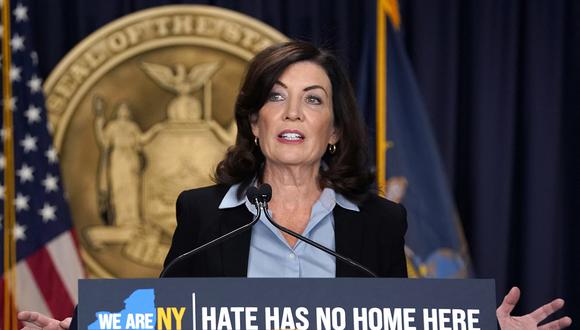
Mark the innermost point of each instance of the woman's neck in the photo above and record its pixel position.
(293, 186)
(295, 189)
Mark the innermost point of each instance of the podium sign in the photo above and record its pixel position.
(276, 303)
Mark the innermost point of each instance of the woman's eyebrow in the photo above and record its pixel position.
(278, 82)
(306, 89)
(314, 87)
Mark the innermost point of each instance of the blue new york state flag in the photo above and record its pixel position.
(409, 168)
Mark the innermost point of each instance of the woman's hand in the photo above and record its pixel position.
(35, 321)
(531, 320)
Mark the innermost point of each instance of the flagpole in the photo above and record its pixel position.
(381, 102)
(10, 321)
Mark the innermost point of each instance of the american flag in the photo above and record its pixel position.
(48, 262)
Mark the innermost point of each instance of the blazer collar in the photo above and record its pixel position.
(348, 235)
(236, 250)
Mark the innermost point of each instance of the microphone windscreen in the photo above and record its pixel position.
(252, 194)
(265, 192)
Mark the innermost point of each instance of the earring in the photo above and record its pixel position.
(332, 148)
(256, 141)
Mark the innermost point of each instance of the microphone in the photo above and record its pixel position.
(252, 194)
(255, 198)
(265, 194)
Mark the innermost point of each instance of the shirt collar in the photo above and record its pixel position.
(231, 199)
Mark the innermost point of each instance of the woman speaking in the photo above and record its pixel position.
(300, 132)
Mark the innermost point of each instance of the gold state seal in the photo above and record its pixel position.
(141, 110)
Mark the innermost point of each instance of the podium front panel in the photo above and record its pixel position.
(275, 303)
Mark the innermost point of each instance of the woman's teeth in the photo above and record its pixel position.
(291, 136)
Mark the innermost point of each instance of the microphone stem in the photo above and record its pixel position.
(317, 245)
(213, 242)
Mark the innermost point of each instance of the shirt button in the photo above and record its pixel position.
(291, 256)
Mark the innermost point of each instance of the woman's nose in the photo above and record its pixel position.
(294, 110)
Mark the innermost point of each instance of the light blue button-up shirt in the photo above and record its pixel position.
(270, 253)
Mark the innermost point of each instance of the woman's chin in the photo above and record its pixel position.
(292, 161)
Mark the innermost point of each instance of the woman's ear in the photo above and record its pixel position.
(334, 136)
(254, 124)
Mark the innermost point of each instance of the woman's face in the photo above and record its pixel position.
(295, 125)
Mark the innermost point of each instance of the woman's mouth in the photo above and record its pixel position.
(290, 137)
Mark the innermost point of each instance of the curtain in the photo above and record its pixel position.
(500, 80)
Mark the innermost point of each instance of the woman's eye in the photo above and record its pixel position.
(313, 99)
(274, 97)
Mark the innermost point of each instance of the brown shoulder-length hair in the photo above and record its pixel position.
(347, 170)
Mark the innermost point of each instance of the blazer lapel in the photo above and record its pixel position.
(236, 250)
(348, 235)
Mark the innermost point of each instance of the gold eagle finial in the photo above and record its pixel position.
(178, 80)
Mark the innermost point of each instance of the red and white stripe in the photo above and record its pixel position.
(46, 281)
